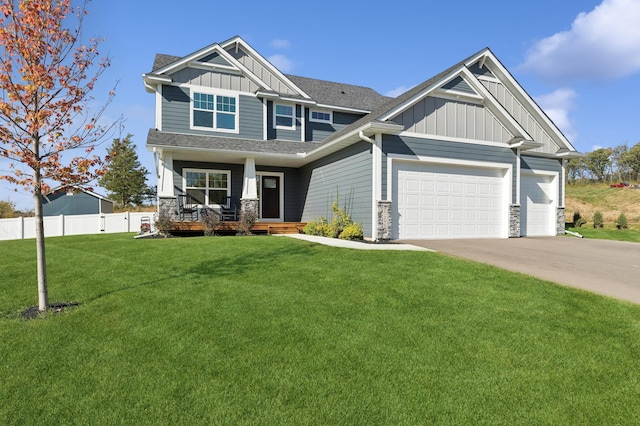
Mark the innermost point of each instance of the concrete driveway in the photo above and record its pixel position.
(611, 268)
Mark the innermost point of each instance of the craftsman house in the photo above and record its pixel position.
(466, 154)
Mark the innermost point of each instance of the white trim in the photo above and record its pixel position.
(158, 117)
(215, 93)
(376, 183)
(318, 120)
(452, 139)
(207, 188)
(518, 175)
(455, 95)
(303, 123)
(563, 184)
(507, 179)
(264, 119)
(281, 176)
(555, 194)
(293, 116)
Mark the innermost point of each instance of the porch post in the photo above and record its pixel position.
(249, 200)
(166, 193)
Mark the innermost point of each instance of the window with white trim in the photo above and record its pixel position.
(214, 112)
(284, 117)
(321, 116)
(207, 187)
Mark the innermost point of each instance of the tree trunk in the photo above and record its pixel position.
(43, 293)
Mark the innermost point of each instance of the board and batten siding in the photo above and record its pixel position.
(528, 162)
(260, 71)
(521, 115)
(317, 132)
(346, 174)
(411, 146)
(215, 80)
(176, 115)
(455, 119)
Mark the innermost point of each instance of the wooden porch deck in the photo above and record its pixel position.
(269, 228)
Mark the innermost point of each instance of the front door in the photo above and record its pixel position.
(270, 197)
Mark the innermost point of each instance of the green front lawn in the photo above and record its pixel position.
(268, 330)
(608, 233)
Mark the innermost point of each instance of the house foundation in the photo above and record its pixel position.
(384, 221)
(514, 221)
(560, 221)
(249, 205)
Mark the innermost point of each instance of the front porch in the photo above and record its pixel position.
(230, 228)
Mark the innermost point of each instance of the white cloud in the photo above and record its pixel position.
(557, 105)
(397, 91)
(280, 44)
(601, 44)
(281, 62)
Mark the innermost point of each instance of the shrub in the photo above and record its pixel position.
(598, 221)
(210, 219)
(247, 220)
(341, 225)
(352, 231)
(578, 221)
(621, 222)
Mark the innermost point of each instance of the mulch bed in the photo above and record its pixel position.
(33, 311)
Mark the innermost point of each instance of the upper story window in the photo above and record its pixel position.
(321, 116)
(208, 187)
(215, 112)
(284, 117)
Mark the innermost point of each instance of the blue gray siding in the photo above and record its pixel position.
(346, 174)
(444, 149)
(284, 134)
(456, 119)
(459, 85)
(77, 203)
(176, 104)
(317, 132)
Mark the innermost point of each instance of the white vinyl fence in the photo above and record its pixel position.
(56, 226)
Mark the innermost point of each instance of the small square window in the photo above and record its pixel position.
(321, 116)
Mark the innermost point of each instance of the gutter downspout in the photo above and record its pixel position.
(376, 179)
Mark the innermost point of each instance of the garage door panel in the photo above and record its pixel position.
(537, 205)
(455, 201)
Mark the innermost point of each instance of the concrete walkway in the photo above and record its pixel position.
(611, 268)
(358, 245)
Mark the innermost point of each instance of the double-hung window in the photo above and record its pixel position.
(214, 112)
(208, 187)
(284, 117)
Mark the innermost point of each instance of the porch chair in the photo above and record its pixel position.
(187, 206)
(229, 210)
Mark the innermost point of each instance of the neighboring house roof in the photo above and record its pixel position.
(77, 188)
(162, 61)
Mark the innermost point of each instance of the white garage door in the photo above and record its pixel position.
(537, 206)
(444, 201)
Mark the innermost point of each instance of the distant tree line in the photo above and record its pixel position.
(618, 164)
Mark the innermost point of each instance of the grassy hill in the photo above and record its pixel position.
(587, 199)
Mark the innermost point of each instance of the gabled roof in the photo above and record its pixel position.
(315, 92)
(77, 188)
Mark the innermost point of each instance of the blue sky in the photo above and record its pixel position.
(579, 60)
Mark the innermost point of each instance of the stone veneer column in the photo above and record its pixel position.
(169, 205)
(514, 221)
(384, 221)
(248, 205)
(560, 222)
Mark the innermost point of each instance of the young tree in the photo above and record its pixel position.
(7, 209)
(125, 178)
(46, 77)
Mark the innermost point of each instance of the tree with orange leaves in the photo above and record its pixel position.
(47, 132)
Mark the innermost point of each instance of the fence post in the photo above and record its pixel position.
(62, 225)
(22, 227)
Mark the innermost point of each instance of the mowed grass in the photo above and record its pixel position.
(608, 233)
(268, 330)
